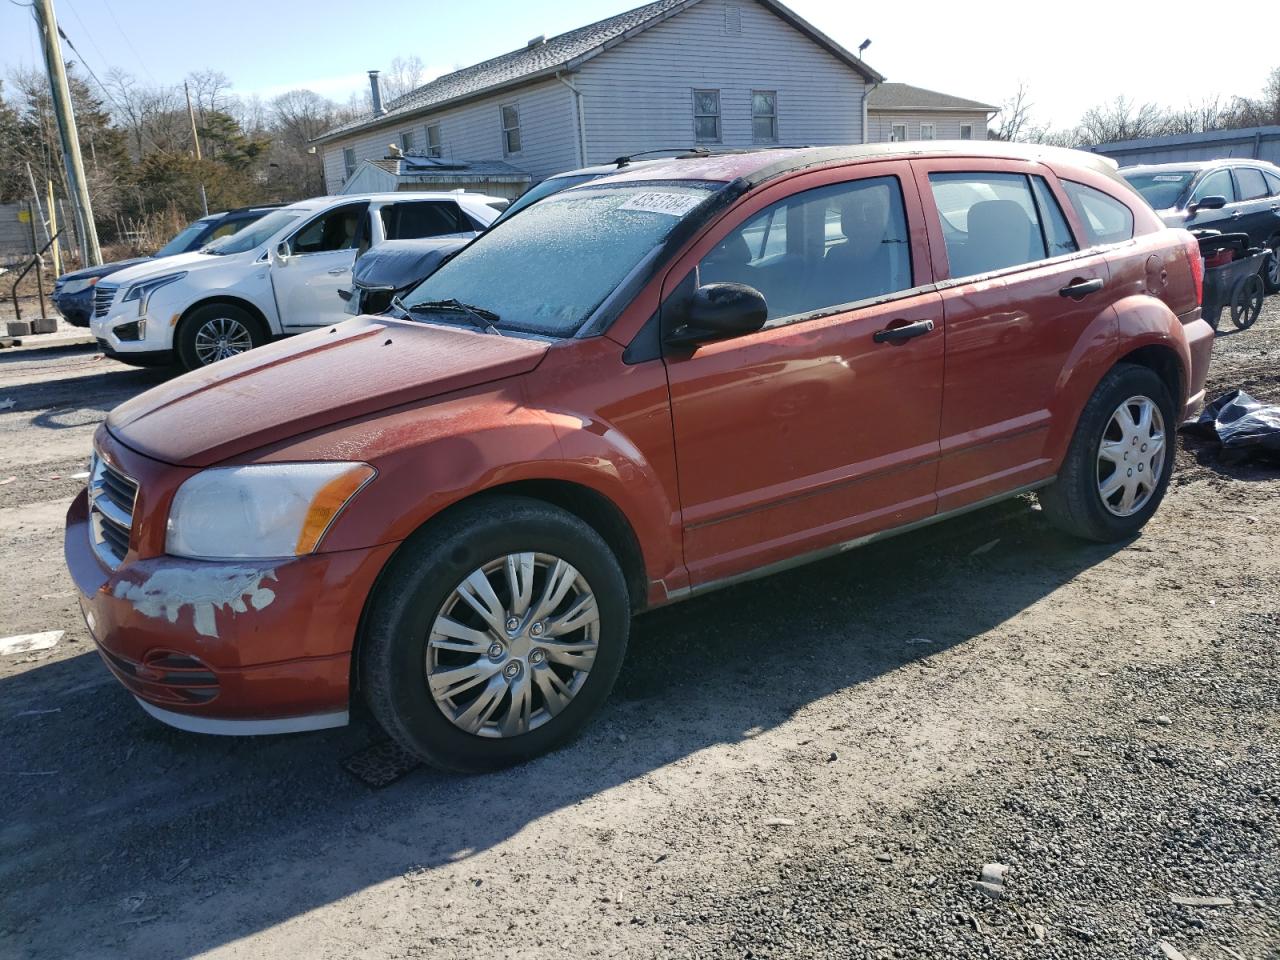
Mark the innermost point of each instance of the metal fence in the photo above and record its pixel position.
(16, 236)
(1256, 143)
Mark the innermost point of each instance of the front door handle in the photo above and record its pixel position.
(904, 333)
(1237, 214)
(1082, 288)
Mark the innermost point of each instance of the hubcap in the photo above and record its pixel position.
(221, 337)
(512, 645)
(1131, 456)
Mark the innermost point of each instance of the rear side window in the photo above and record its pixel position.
(1216, 184)
(1106, 219)
(1273, 183)
(1057, 234)
(1253, 185)
(990, 221)
(424, 218)
(819, 249)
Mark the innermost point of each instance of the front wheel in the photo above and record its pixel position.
(1118, 465)
(215, 332)
(495, 634)
(1272, 276)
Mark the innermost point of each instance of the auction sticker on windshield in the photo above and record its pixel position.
(1168, 178)
(673, 204)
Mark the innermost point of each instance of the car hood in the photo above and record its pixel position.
(88, 273)
(333, 374)
(149, 269)
(401, 263)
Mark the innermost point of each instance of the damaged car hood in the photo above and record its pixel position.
(275, 392)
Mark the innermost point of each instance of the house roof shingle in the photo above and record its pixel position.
(903, 96)
(555, 53)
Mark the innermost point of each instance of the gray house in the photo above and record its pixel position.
(899, 111)
(670, 74)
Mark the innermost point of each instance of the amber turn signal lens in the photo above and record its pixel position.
(328, 503)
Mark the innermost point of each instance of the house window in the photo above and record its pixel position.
(966, 131)
(899, 133)
(510, 129)
(764, 116)
(706, 116)
(927, 132)
(434, 147)
(406, 142)
(349, 161)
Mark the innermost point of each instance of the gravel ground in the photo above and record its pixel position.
(818, 764)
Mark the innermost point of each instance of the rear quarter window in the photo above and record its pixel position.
(1106, 220)
(414, 220)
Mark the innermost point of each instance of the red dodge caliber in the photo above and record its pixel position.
(636, 390)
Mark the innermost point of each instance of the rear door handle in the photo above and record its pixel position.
(904, 333)
(1082, 288)
(1237, 214)
(338, 271)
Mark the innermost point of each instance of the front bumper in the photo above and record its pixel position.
(76, 308)
(224, 647)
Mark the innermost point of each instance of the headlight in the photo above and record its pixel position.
(263, 511)
(143, 290)
(75, 286)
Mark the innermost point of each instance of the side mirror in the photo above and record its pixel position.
(282, 252)
(1214, 202)
(718, 311)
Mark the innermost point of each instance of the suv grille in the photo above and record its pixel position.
(103, 294)
(111, 498)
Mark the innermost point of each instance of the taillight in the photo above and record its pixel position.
(1197, 265)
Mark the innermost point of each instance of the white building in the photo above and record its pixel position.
(670, 74)
(899, 111)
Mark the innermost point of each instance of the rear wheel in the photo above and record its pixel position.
(1120, 459)
(495, 634)
(1272, 277)
(215, 332)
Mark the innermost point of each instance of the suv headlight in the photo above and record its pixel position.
(262, 511)
(143, 290)
(75, 286)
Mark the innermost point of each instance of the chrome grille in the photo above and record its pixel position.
(111, 500)
(103, 294)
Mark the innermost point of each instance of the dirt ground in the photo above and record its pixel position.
(814, 765)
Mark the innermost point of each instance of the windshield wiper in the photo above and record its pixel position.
(488, 319)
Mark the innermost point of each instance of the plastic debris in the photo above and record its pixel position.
(1171, 952)
(779, 822)
(1202, 901)
(27, 642)
(82, 475)
(1246, 428)
(7, 480)
(8, 403)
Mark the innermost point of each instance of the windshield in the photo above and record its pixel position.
(545, 189)
(547, 270)
(254, 234)
(1160, 189)
(182, 242)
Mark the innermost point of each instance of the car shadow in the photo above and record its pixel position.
(63, 401)
(123, 837)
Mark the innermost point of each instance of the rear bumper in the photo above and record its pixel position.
(1199, 336)
(234, 648)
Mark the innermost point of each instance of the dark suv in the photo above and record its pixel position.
(73, 292)
(1233, 196)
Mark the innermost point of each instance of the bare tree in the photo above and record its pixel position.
(1122, 119)
(1014, 116)
(404, 76)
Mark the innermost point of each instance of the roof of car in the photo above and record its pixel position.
(1195, 165)
(317, 203)
(756, 166)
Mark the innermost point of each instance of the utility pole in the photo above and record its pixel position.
(195, 139)
(61, 96)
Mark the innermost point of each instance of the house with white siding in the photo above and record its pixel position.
(672, 74)
(899, 111)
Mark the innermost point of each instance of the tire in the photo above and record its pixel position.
(1272, 275)
(1075, 501)
(473, 729)
(1246, 302)
(216, 331)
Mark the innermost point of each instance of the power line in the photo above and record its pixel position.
(137, 56)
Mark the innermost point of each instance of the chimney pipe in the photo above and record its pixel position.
(375, 91)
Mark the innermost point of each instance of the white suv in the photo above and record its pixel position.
(278, 276)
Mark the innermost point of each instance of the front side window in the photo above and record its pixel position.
(435, 146)
(227, 227)
(706, 116)
(511, 129)
(1216, 184)
(413, 220)
(335, 230)
(406, 142)
(927, 131)
(191, 237)
(518, 271)
(764, 116)
(899, 133)
(819, 249)
(990, 221)
(1057, 234)
(1253, 185)
(349, 161)
(1105, 219)
(1273, 183)
(256, 233)
(966, 131)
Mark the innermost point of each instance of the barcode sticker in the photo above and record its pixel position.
(672, 204)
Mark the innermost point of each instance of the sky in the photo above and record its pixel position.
(1086, 54)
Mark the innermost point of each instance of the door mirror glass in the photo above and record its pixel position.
(282, 252)
(1215, 202)
(720, 310)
